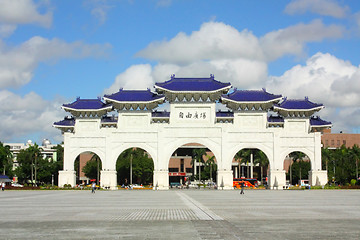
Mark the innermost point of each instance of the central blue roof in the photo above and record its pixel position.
(293, 104)
(87, 104)
(134, 96)
(251, 96)
(192, 84)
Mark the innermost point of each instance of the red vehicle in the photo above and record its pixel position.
(248, 182)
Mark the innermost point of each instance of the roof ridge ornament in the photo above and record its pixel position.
(212, 76)
(172, 76)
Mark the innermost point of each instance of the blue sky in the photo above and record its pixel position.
(53, 51)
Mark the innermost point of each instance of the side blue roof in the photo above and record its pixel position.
(67, 122)
(224, 114)
(109, 119)
(275, 119)
(88, 104)
(160, 114)
(293, 104)
(317, 121)
(134, 96)
(252, 96)
(192, 84)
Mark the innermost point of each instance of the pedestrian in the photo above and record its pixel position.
(93, 185)
(2, 186)
(242, 188)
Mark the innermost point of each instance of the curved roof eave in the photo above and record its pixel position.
(212, 91)
(63, 126)
(92, 110)
(269, 101)
(116, 101)
(299, 110)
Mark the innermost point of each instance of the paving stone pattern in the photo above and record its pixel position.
(180, 214)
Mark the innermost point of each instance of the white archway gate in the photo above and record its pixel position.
(192, 119)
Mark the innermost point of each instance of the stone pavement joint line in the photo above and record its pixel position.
(202, 212)
(155, 215)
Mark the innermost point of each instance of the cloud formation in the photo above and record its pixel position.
(21, 116)
(16, 12)
(17, 64)
(323, 7)
(328, 80)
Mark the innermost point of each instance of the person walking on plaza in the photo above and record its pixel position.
(242, 188)
(2, 186)
(93, 185)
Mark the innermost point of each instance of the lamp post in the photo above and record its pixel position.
(131, 169)
(35, 168)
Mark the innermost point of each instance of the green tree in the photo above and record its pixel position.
(6, 162)
(261, 159)
(92, 168)
(142, 167)
(210, 169)
(295, 156)
(243, 156)
(301, 170)
(197, 156)
(28, 160)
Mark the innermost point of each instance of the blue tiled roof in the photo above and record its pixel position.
(317, 121)
(160, 114)
(109, 119)
(251, 96)
(88, 104)
(192, 84)
(134, 96)
(293, 104)
(275, 119)
(224, 114)
(67, 122)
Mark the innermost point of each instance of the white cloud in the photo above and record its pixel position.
(6, 30)
(292, 40)
(322, 7)
(22, 116)
(17, 64)
(328, 80)
(136, 77)
(214, 41)
(324, 78)
(23, 12)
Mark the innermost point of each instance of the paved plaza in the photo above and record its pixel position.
(180, 214)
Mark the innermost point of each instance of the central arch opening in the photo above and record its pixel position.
(192, 166)
(251, 167)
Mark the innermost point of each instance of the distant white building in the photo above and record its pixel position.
(46, 150)
(193, 118)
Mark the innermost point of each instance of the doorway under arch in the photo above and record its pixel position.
(251, 163)
(297, 165)
(134, 167)
(192, 165)
(88, 166)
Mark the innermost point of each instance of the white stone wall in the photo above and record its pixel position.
(192, 123)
